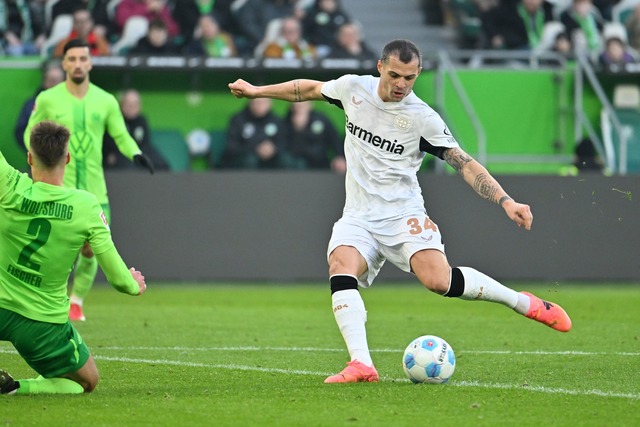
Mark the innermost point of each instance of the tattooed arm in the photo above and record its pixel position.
(293, 90)
(487, 187)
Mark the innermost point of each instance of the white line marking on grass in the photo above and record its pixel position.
(540, 389)
(472, 384)
(543, 389)
(209, 365)
(381, 350)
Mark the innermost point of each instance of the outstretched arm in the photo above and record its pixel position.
(129, 281)
(487, 187)
(292, 91)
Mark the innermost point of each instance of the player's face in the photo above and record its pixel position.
(77, 64)
(397, 78)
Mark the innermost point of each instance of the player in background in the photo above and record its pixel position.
(43, 226)
(389, 130)
(87, 111)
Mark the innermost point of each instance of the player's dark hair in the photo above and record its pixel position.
(405, 50)
(158, 24)
(80, 7)
(48, 142)
(74, 43)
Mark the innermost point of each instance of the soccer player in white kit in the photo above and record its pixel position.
(389, 130)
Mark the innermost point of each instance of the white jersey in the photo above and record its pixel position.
(385, 144)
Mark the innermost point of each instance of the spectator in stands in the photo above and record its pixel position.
(51, 76)
(83, 28)
(138, 128)
(21, 32)
(516, 25)
(321, 22)
(583, 24)
(98, 9)
(562, 45)
(615, 53)
(605, 8)
(255, 138)
(290, 44)
(349, 44)
(254, 16)
(312, 140)
(632, 24)
(157, 42)
(150, 9)
(586, 158)
(212, 41)
(187, 14)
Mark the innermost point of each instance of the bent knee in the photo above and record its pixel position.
(89, 386)
(439, 285)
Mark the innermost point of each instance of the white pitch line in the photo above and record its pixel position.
(471, 384)
(475, 384)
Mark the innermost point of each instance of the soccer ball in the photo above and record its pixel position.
(429, 359)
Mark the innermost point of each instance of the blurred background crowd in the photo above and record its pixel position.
(608, 31)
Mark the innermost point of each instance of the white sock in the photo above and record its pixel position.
(73, 299)
(479, 286)
(351, 316)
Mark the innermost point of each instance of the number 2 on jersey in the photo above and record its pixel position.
(414, 223)
(40, 228)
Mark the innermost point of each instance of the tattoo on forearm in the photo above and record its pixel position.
(484, 186)
(456, 159)
(296, 91)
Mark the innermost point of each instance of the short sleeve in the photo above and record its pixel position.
(334, 90)
(436, 133)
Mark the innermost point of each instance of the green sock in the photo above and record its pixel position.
(42, 385)
(84, 275)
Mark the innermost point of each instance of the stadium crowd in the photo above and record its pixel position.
(307, 28)
(216, 28)
(608, 30)
(562, 26)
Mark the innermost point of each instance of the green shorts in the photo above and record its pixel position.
(51, 349)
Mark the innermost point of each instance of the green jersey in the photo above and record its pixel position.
(87, 119)
(42, 228)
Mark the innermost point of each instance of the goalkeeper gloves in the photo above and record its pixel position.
(144, 161)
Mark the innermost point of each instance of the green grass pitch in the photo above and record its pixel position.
(256, 355)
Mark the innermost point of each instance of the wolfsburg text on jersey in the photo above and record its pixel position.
(375, 140)
(54, 209)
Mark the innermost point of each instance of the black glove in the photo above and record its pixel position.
(144, 161)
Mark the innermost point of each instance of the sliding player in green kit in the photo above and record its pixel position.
(43, 225)
(87, 111)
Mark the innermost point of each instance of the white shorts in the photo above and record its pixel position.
(395, 240)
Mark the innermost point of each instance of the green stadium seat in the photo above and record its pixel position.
(218, 145)
(171, 145)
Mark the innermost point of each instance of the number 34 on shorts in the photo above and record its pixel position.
(418, 225)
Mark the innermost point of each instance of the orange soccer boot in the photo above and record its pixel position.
(355, 372)
(549, 313)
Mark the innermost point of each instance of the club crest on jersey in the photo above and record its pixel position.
(402, 122)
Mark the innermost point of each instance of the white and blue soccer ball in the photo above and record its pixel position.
(429, 359)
